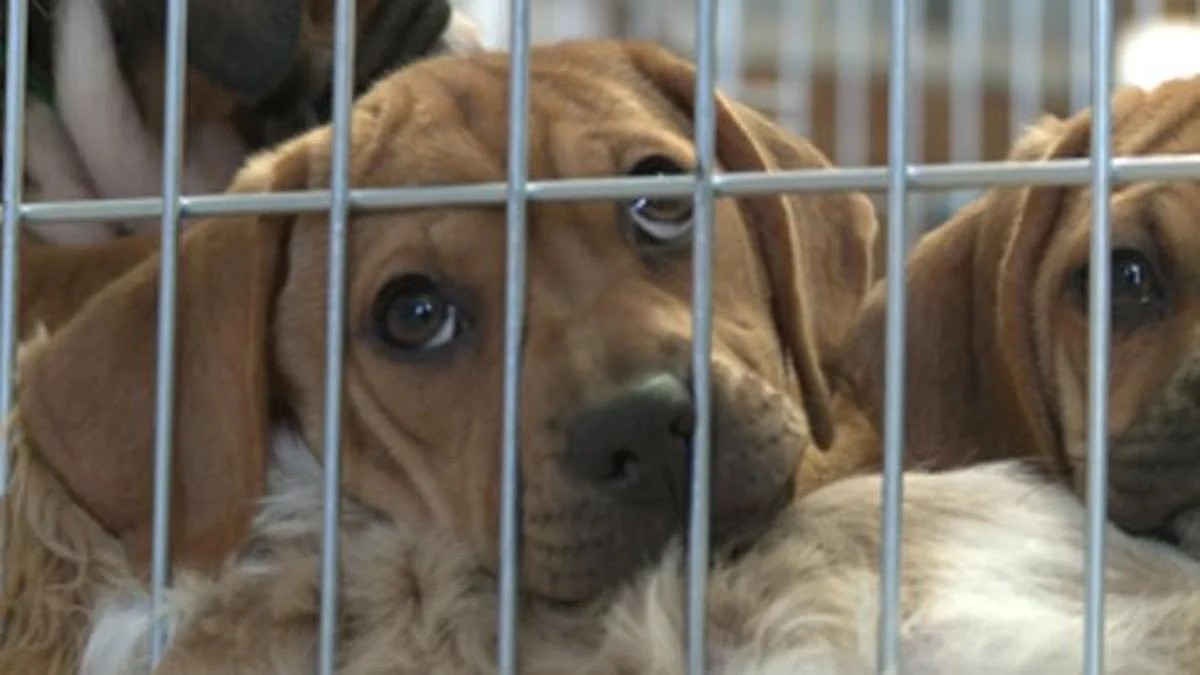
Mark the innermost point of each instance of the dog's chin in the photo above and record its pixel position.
(598, 566)
(736, 534)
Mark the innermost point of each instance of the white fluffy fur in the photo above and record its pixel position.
(993, 583)
(119, 640)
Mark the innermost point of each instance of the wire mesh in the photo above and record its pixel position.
(1090, 52)
(339, 214)
(514, 327)
(164, 382)
(1099, 327)
(16, 39)
(705, 138)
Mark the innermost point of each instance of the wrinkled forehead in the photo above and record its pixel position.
(1164, 120)
(1158, 218)
(446, 122)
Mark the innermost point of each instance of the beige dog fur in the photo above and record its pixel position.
(605, 309)
(992, 584)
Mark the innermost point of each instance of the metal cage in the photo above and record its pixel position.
(1080, 73)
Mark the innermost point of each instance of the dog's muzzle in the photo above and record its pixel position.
(636, 446)
(629, 459)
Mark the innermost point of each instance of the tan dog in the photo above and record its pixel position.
(997, 321)
(607, 411)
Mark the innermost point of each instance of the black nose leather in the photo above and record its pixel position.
(636, 443)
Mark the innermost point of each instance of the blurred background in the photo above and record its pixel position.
(982, 69)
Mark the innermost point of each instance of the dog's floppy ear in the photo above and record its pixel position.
(816, 250)
(973, 388)
(837, 235)
(87, 399)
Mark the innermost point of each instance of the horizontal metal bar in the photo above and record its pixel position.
(920, 176)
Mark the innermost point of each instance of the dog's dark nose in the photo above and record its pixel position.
(637, 442)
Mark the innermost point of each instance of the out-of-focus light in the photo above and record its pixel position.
(1155, 52)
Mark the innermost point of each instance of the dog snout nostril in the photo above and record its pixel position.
(624, 467)
(631, 441)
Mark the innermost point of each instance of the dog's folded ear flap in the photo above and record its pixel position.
(816, 250)
(837, 231)
(87, 399)
(973, 388)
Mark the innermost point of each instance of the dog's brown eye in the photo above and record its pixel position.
(413, 314)
(1138, 293)
(659, 221)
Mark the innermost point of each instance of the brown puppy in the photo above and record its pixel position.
(607, 412)
(998, 345)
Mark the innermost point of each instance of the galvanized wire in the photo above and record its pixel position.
(917, 222)
(16, 40)
(164, 396)
(894, 348)
(1099, 339)
(516, 206)
(921, 177)
(1091, 82)
(705, 139)
(335, 328)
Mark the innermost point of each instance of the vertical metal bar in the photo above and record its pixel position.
(918, 204)
(14, 178)
(335, 326)
(853, 26)
(514, 329)
(894, 354)
(793, 88)
(1025, 61)
(966, 85)
(164, 400)
(730, 22)
(705, 131)
(1079, 60)
(1099, 311)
